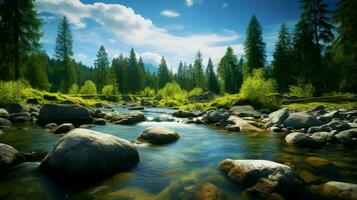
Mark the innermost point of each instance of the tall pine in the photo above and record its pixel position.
(228, 71)
(198, 72)
(212, 81)
(101, 68)
(163, 73)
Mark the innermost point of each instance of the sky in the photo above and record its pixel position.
(175, 29)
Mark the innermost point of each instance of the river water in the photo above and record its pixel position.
(173, 171)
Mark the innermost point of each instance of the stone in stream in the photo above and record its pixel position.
(4, 122)
(158, 135)
(301, 120)
(336, 190)
(137, 107)
(99, 121)
(8, 156)
(347, 137)
(277, 117)
(301, 140)
(128, 118)
(15, 108)
(64, 128)
(51, 126)
(84, 154)
(264, 176)
(245, 111)
(208, 191)
(217, 116)
(244, 125)
(183, 114)
(20, 117)
(64, 113)
(3, 113)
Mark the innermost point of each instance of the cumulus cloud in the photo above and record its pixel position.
(137, 31)
(169, 13)
(189, 3)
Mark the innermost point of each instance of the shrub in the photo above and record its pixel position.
(74, 89)
(302, 90)
(88, 88)
(12, 91)
(148, 92)
(173, 91)
(108, 90)
(256, 89)
(195, 91)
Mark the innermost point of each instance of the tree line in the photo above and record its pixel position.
(310, 55)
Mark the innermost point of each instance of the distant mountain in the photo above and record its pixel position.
(151, 68)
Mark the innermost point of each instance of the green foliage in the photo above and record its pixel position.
(74, 89)
(256, 89)
(302, 90)
(12, 91)
(108, 90)
(173, 91)
(195, 91)
(35, 71)
(163, 73)
(148, 92)
(88, 88)
(230, 72)
(198, 74)
(101, 68)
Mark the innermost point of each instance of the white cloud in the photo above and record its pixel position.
(169, 13)
(224, 5)
(151, 57)
(189, 3)
(174, 27)
(137, 31)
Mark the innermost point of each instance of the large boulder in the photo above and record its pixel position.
(278, 116)
(128, 118)
(85, 154)
(301, 140)
(158, 135)
(3, 113)
(301, 120)
(8, 156)
(245, 111)
(264, 176)
(337, 190)
(183, 114)
(64, 113)
(347, 137)
(217, 116)
(4, 122)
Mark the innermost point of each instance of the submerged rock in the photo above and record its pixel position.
(337, 190)
(8, 156)
(85, 154)
(158, 135)
(208, 191)
(300, 140)
(63, 128)
(264, 176)
(301, 120)
(64, 113)
(183, 114)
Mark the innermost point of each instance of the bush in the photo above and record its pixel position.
(12, 91)
(195, 91)
(256, 89)
(173, 91)
(302, 90)
(74, 89)
(148, 92)
(108, 90)
(88, 88)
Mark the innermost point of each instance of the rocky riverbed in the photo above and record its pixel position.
(92, 145)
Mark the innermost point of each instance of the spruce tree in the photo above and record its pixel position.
(141, 74)
(133, 73)
(163, 73)
(101, 67)
(212, 81)
(35, 71)
(228, 71)
(198, 73)
(19, 35)
(254, 46)
(181, 75)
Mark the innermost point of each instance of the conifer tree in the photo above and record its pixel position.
(163, 73)
(101, 66)
(227, 71)
(198, 73)
(212, 81)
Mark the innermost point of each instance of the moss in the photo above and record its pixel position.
(327, 105)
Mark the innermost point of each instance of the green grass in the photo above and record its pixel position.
(327, 105)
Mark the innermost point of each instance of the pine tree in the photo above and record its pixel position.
(35, 71)
(163, 73)
(198, 73)
(212, 81)
(282, 67)
(101, 67)
(19, 35)
(254, 46)
(120, 66)
(64, 53)
(133, 73)
(141, 74)
(228, 71)
(181, 75)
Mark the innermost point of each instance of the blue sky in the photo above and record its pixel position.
(175, 29)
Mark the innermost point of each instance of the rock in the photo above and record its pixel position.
(20, 117)
(145, 102)
(15, 108)
(276, 129)
(318, 162)
(347, 137)
(215, 116)
(300, 140)
(339, 125)
(98, 113)
(324, 136)
(8, 156)
(158, 135)
(301, 120)
(3, 113)
(263, 176)
(35, 114)
(245, 111)
(208, 191)
(206, 96)
(64, 113)
(331, 115)
(313, 129)
(325, 128)
(136, 108)
(233, 128)
(99, 121)
(308, 177)
(183, 114)
(278, 116)
(64, 128)
(318, 110)
(83, 154)
(86, 126)
(337, 190)
(4, 122)
(51, 126)
(128, 118)
(245, 126)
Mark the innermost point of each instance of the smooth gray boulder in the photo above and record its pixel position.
(64, 113)
(63, 128)
(217, 116)
(264, 176)
(158, 135)
(4, 122)
(128, 118)
(245, 111)
(301, 120)
(8, 156)
(347, 137)
(300, 140)
(84, 154)
(183, 114)
(278, 116)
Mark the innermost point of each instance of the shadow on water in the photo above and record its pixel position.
(172, 171)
